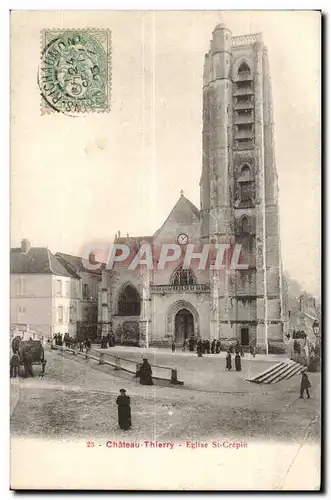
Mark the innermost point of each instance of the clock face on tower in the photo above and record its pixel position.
(182, 239)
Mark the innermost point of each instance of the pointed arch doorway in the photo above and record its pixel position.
(184, 325)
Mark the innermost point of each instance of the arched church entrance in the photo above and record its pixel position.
(184, 325)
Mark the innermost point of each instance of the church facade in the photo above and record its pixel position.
(239, 206)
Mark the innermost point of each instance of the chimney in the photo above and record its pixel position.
(25, 245)
(92, 259)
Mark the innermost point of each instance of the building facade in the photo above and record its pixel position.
(40, 291)
(239, 205)
(84, 311)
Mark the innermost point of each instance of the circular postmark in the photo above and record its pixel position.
(73, 74)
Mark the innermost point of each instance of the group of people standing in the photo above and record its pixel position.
(239, 353)
(108, 341)
(206, 347)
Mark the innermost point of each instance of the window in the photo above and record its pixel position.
(244, 68)
(183, 277)
(58, 287)
(21, 286)
(60, 314)
(129, 302)
(85, 291)
(246, 173)
(244, 224)
(246, 192)
(67, 288)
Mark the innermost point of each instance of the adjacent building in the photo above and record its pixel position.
(40, 291)
(85, 310)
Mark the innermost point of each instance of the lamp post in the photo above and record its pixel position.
(316, 329)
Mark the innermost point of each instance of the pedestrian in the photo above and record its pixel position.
(208, 346)
(14, 365)
(237, 362)
(124, 410)
(191, 344)
(237, 347)
(87, 345)
(242, 353)
(252, 350)
(218, 346)
(305, 385)
(173, 346)
(81, 347)
(228, 361)
(145, 373)
(199, 348)
(185, 345)
(213, 345)
(27, 358)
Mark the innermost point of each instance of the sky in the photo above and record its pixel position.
(77, 180)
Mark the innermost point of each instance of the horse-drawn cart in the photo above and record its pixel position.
(30, 352)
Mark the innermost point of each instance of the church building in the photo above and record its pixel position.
(239, 205)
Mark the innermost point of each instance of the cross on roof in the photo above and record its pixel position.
(181, 192)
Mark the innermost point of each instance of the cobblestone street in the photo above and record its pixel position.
(76, 398)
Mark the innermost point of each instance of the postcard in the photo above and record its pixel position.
(165, 310)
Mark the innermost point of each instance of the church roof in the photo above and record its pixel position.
(74, 264)
(37, 260)
(184, 212)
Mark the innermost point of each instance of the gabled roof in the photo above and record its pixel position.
(184, 212)
(75, 265)
(37, 260)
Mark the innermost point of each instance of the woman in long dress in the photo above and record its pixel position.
(237, 362)
(124, 410)
(228, 361)
(145, 373)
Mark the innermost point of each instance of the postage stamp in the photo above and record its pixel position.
(74, 76)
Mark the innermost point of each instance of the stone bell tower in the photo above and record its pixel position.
(239, 192)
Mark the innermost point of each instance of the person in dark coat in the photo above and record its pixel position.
(191, 344)
(173, 346)
(237, 362)
(242, 353)
(305, 385)
(145, 373)
(14, 365)
(28, 364)
(218, 346)
(208, 346)
(124, 410)
(237, 348)
(228, 361)
(213, 345)
(199, 348)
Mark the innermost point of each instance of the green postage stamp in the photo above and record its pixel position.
(75, 72)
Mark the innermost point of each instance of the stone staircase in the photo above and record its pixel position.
(281, 371)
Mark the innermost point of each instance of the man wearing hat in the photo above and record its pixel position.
(124, 410)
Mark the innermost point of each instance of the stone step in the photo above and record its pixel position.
(256, 378)
(280, 371)
(277, 374)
